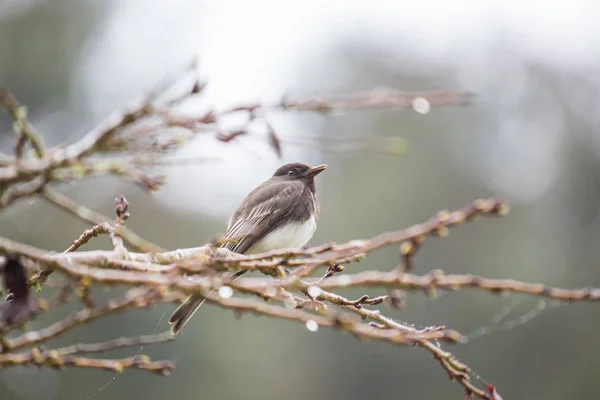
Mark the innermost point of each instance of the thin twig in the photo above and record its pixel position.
(21, 125)
(95, 218)
(95, 231)
(53, 360)
(81, 318)
(80, 348)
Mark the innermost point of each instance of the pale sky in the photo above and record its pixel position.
(252, 51)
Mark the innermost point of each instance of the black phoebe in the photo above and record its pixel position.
(280, 213)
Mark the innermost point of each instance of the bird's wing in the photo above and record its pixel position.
(255, 221)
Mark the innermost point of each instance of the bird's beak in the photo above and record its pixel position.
(314, 171)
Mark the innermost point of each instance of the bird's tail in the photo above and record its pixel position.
(184, 312)
(188, 308)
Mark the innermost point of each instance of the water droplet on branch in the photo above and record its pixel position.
(225, 292)
(312, 325)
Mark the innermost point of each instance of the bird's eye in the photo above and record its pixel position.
(291, 172)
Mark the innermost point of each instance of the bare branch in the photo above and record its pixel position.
(87, 348)
(438, 280)
(85, 237)
(148, 131)
(21, 125)
(165, 272)
(52, 359)
(94, 218)
(300, 283)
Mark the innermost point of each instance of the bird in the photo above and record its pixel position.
(18, 299)
(280, 213)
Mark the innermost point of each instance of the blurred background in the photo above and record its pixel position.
(530, 136)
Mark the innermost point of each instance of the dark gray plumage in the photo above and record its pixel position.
(280, 213)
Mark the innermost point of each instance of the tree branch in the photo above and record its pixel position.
(21, 125)
(141, 136)
(94, 218)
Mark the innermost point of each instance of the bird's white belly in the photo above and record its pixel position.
(293, 236)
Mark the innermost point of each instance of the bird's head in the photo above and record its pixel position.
(298, 171)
